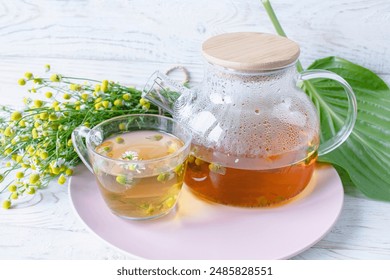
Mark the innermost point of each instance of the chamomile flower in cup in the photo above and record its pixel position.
(138, 161)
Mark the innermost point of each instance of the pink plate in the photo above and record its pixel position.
(202, 230)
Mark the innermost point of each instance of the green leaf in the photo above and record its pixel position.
(365, 156)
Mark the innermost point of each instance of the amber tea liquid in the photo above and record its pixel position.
(248, 188)
(140, 190)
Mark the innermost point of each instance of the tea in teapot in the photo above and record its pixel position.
(256, 135)
(248, 187)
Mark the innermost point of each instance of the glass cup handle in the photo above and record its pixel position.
(77, 139)
(349, 123)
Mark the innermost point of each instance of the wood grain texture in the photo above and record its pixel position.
(250, 51)
(172, 31)
(126, 41)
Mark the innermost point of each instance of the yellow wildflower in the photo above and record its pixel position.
(104, 85)
(126, 97)
(84, 96)
(22, 82)
(55, 170)
(52, 117)
(55, 78)
(75, 87)
(37, 81)
(19, 175)
(6, 204)
(30, 190)
(34, 133)
(12, 188)
(106, 104)
(55, 104)
(28, 75)
(19, 159)
(98, 105)
(143, 101)
(15, 116)
(118, 103)
(43, 155)
(122, 126)
(69, 172)
(30, 150)
(34, 178)
(61, 180)
(8, 131)
(44, 116)
(38, 103)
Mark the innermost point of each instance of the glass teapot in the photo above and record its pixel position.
(255, 133)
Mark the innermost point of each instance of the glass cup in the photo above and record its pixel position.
(134, 188)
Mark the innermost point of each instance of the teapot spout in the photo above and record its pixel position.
(164, 92)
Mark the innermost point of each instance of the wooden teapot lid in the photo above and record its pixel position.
(250, 51)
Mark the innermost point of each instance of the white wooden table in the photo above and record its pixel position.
(126, 41)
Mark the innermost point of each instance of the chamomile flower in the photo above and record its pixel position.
(130, 155)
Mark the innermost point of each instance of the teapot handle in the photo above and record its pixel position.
(349, 123)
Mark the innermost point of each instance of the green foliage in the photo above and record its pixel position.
(365, 156)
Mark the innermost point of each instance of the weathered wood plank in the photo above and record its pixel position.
(172, 31)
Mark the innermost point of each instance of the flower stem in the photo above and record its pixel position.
(82, 79)
(279, 29)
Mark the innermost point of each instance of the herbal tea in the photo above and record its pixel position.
(248, 188)
(137, 189)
